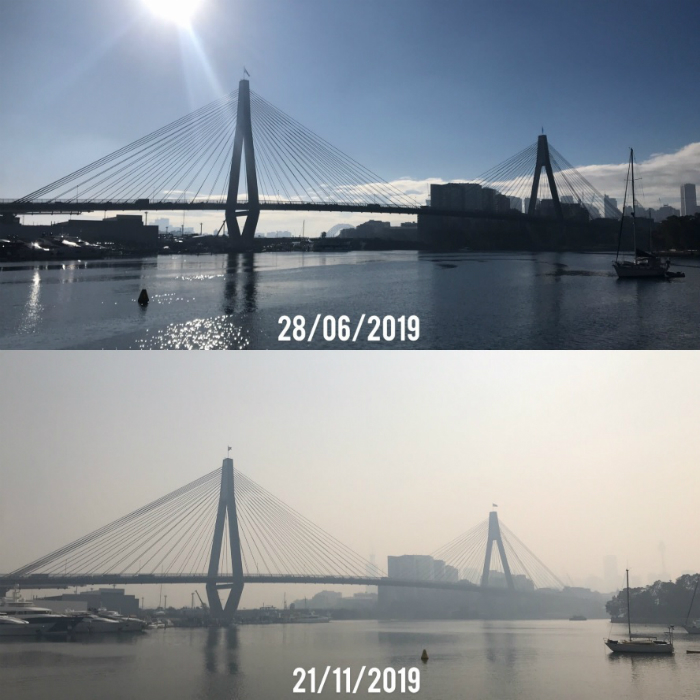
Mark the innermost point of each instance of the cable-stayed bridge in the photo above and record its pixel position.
(210, 160)
(225, 531)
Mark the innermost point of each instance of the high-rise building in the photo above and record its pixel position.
(610, 210)
(162, 223)
(689, 200)
(610, 575)
(421, 567)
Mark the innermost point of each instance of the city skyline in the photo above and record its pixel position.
(146, 71)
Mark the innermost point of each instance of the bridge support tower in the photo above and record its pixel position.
(543, 161)
(495, 536)
(243, 148)
(227, 506)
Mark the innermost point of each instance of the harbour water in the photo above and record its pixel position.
(463, 300)
(495, 660)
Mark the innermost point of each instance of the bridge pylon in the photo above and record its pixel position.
(227, 506)
(243, 146)
(495, 536)
(543, 161)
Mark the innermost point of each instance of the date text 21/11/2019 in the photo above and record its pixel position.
(342, 680)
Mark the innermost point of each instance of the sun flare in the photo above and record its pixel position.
(178, 11)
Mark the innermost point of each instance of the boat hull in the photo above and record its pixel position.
(97, 625)
(630, 270)
(639, 647)
(691, 629)
(17, 629)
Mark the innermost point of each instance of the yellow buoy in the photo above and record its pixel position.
(424, 655)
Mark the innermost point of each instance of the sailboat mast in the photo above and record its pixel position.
(629, 621)
(634, 226)
(692, 600)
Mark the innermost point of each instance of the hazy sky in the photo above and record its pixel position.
(410, 88)
(587, 454)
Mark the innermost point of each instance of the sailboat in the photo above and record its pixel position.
(645, 264)
(650, 645)
(694, 627)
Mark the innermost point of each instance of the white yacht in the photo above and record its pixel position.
(40, 620)
(126, 624)
(91, 623)
(13, 627)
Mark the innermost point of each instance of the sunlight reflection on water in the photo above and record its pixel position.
(199, 334)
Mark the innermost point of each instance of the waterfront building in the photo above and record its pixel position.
(109, 598)
(407, 231)
(124, 230)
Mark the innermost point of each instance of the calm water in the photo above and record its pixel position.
(463, 300)
(549, 660)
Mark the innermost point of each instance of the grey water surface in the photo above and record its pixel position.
(483, 660)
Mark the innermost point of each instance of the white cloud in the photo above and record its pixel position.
(661, 176)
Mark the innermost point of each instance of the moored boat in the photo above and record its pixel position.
(39, 620)
(126, 624)
(91, 623)
(310, 618)
(14, 627)
(644, 265)
(636, 645)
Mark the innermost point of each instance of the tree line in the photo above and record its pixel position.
(663, 602)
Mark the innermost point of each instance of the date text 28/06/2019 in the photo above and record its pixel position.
(376, 328)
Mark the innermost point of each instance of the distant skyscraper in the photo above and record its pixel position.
(162, 224)
(610, 575)
(689, 201)
(610, 207)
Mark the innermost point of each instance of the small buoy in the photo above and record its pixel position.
(143, 297)
(424, 655)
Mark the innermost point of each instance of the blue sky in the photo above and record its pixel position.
(443, 89)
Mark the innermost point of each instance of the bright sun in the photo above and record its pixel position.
(179, 11)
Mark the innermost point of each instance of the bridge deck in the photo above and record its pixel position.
(49, 581)
(80, 207)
